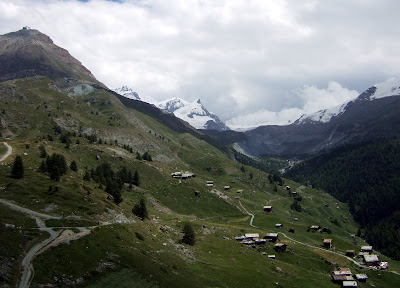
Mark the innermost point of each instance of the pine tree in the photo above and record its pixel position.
(138, 156)
(86, 177)
(135, 180)
(188, 235)
(17, 171)
(73, 166)
(140, 210)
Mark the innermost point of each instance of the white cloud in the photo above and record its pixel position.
(238, 56)
(314, 99)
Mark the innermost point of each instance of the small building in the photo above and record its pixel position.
(287, 187)
(240, 238)
(271, 237)
(239, 191)
(280, 247)
(367, 249)
(371, 260)
(350, 253)
(176, 175)
(278, 225)
(327, 243)
(267, 208)
(271, 256)
(227, 188)
(237, 197)
(341, 278)
(342, 271)
(197, 193)
(251, 235)
(349, 284)
(361, 277)
(315, 227)
(210, 183)
(294, 193)
(384, 265)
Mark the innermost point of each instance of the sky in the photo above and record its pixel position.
(250, 62)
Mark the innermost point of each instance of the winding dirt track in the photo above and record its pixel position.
(8, 153)
(56, 238)
(305, 244)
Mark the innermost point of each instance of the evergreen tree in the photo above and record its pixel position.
(135, 180)
(73, 166)
(140, 210)
(55, 174)
(43, 167)
(138, 156)
(17, 170)
(43, 153)
(188, 235)
(86, 177)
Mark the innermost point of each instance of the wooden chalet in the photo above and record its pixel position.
(287, 187)
(361, 277)
(280, 247)
(210, 183)
(371, 260)
(341, 278)
(315, 227)
(239, 191)
(294, 193)
(278, 225)
(267, 208)
(327, 243)
(367, 249)
(227, 188)
(271, 237)
(349, 283)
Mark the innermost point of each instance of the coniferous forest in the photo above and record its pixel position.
(367, 178)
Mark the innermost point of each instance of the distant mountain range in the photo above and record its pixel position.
(192, 112)
(372, 115)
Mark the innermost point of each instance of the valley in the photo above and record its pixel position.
(98, 190)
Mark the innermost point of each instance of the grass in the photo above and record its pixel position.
(114, 255)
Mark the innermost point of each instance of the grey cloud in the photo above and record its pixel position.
(239, 57)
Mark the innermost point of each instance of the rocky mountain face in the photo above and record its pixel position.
(194, 113)
(373, 115)
(28, 52)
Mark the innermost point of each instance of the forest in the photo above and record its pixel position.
(366, 176)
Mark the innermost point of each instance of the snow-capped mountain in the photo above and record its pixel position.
(378, 91)
(194, 113)
(127, 92)
(372, 115)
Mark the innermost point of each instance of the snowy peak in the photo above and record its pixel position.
(127, 92)
(386, 89)
(323, 116)
(194, 113)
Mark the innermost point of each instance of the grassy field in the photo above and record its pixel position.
(148, 253)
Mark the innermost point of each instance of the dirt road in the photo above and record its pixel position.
(8, 153)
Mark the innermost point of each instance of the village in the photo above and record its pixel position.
(365, 258)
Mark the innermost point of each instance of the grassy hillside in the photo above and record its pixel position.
(123, 251)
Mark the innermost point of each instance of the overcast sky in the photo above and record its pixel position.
(250, 62)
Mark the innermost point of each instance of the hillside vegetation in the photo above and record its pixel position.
(102, 243)
(367, 178)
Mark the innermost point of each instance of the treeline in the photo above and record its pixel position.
(367, 178)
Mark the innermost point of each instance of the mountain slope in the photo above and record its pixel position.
(28, 52)
(373, 115)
